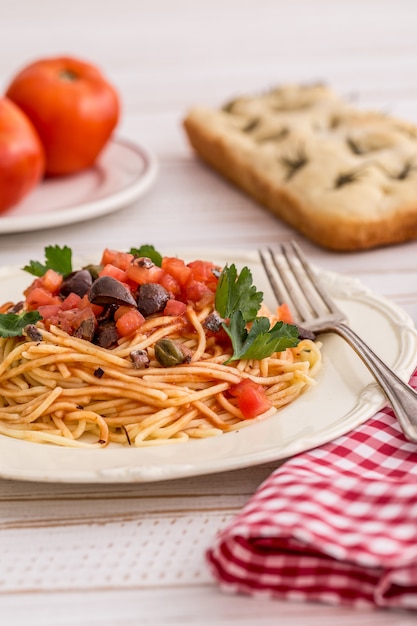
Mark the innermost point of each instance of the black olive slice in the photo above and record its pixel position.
(107, 290)
(77, 282)
(152, 298)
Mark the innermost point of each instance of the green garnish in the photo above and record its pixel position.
(261, 340)
(148, 251)
(238, 302)
(56, 258)
(12, 324)
(237, 293)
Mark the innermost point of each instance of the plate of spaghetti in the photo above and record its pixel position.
(136, 366)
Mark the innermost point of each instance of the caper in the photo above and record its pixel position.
(168, 353)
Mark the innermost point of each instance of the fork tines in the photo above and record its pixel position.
(294, 282)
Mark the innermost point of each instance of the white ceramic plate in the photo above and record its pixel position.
(122, 174)
(344, 397)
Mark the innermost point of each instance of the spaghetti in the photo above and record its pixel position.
(61, 389)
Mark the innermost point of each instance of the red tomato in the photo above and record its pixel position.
(73, 108)
(122, 260)
(49, 311)
(22, 159)
(72, 301)
(198, 293)
(177, 268)
(141, 274)
(202, 272)
(71, 319)
(175, 308)
(284, 314)
(39, 297)
(170, 284)
(121, 310)
(114, 272)
(251, 398)
(51, 281)
(86, 304)
(129, 322)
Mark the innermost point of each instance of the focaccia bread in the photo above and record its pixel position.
(345, 178)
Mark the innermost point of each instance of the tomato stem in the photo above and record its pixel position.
(68, 75)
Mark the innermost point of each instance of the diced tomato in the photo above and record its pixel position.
(129, 322)
(222, 338)
(40, 297)
(174, 308)
(52, 281)
(251, 398)
(133, 285)
(202, 272)
(80, 315)
(237, 389)
(141, 274)
(33, 285)
(171, 284)
(49, 310)
(198, 293)
(121, 310)
(71, 319)
(177, 268)
(114, 272)
(86, 304)
(66, 320)
(122, 260)
(72, 301)
(284, 314)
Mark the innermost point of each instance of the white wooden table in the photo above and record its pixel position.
(134, 554)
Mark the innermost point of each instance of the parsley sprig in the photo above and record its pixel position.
(12, 325)
(237, 301)
(237, 293)
(149, 251)
(56, 258)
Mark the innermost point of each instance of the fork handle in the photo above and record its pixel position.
(402, 397)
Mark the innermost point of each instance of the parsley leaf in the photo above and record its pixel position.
(237, 301)
(12, 325)
(261, 341)
(148, 251)
(56, 258)
(237, 293)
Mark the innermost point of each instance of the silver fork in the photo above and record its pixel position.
(293, 281)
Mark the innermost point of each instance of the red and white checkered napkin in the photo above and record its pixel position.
(337, 524)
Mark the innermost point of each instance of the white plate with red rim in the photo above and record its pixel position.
(124, 172)
(344, 397)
